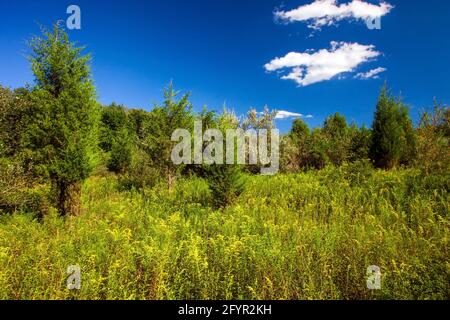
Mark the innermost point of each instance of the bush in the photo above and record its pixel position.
(434, 141)
(121, 155)
(17, 192)
(141, 174)
(226, 183)
(193, 190)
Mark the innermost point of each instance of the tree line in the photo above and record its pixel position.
(54, 135)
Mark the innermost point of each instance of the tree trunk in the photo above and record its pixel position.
(170, 179)
(69, 199)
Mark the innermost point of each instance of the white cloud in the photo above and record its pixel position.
(372, 74)
(327, 12)
(311, 67)
(281, 115)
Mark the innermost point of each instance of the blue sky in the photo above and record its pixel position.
(221, 52)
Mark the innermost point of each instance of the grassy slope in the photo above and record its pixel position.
(309, 236)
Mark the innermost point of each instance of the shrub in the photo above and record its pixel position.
(434, 141)
(17, 192)
(121, 154)
(226, 183)
(141, 174)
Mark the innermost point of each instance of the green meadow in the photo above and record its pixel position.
(291, 236)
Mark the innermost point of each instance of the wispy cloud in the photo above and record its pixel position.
(312, 67)
(282, 115)
(372, 74)
(328, 12)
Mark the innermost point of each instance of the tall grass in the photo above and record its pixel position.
(306, 236)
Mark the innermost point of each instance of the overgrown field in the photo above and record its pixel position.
(306, 236)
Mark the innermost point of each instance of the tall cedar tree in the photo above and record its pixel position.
(393, 137)
(63, 135)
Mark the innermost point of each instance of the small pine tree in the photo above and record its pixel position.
(393, 139)
(300, 130)
(225, 181)
(63, 134)
(336, 134)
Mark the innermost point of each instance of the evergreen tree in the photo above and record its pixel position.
(295, 147)
(336, 135)
(113, 121)
(121, 152)
(116, 137)
(360, 140)
(300, 130)
(393, 139)
(159, 126)
(225, 181)
(63, 135)
(335, 126)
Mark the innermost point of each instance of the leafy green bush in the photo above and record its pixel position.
(121, 155)
(141, 174)
(17, 192)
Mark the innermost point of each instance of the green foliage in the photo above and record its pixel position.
(113, 122)
(19, 192)
(393, 137)
(360, 142)
(337, 138)
(63, 133)
(226, 183)
(256, 121)
(158, 128)
(15, 112)
(121, 153)
(141, 173)
(300, 130)
(295, 147)
(434, 141)
(336, 126)
(137, 120)
(335, 143)
(12, 183)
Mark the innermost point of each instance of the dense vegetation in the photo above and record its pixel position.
(94, 186)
